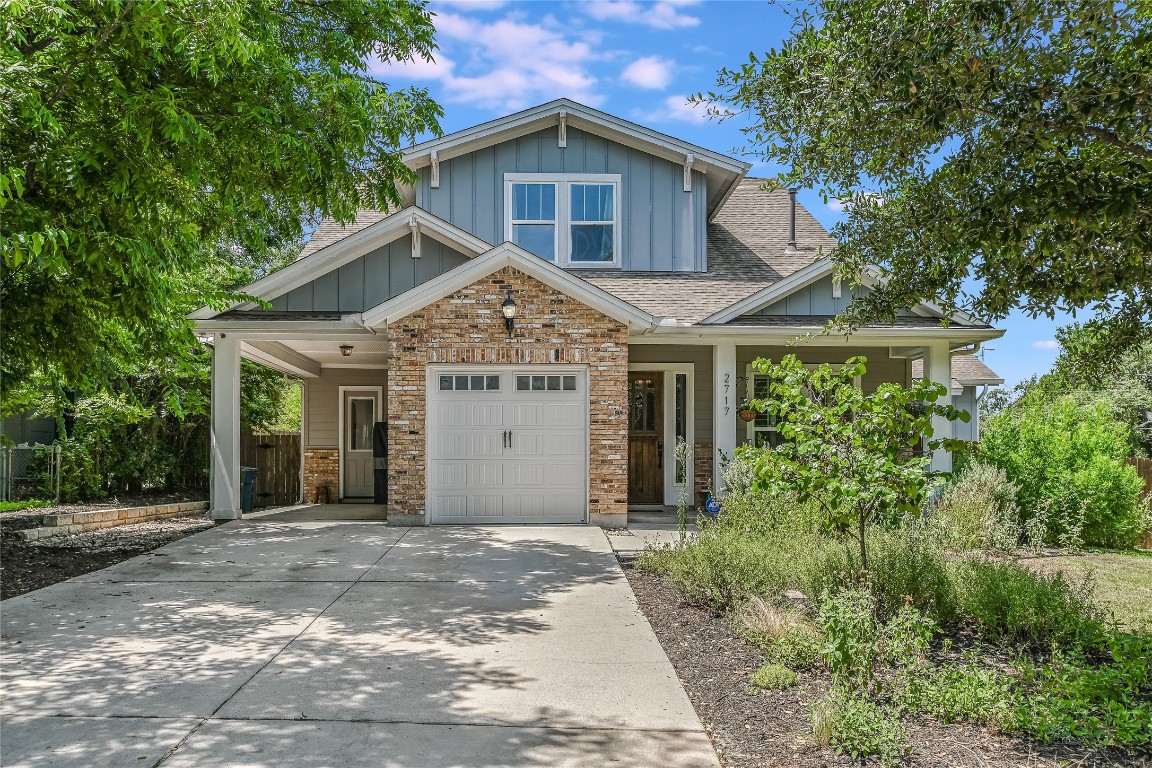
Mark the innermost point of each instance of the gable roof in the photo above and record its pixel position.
(747, 252)
(967, 371)
(335, 252)
(722, 172)
(507, 255)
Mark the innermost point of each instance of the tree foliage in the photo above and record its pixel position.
(138, 137)
(1066, 456)
(855, 454)
(992, 154)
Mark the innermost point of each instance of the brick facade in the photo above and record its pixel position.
(551, 328)
(321, 468)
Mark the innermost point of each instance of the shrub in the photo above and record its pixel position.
(978, 510)
(785, 634)
(1070, 455)
(773, 677)
(1007, 601)
(858, 727)
(721, 567)
(1106, 704)
(851, 638)
(801, 648)
(954, 692)
(908, 566)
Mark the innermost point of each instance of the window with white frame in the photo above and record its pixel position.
(571, 220)
(763, 430)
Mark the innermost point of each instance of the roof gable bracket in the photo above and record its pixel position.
(414, 225)
(688, 160)
(562, 136)
(434, 156)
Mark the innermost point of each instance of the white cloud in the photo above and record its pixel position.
(664, 14)
(837, 205)
(507, 64)
(677, 108)
(648, 72)
(1046, 344)
(472, 5)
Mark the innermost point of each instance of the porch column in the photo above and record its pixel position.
(225, 436)
(938, 368)
(724, 407)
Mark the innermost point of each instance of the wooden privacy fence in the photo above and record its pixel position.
(1144, 469)
(277, 457)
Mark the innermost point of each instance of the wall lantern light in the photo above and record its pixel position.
(346, 350)
(509, 310)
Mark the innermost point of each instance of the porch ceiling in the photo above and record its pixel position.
(305, 357)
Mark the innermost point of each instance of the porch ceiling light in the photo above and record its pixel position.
(346, 350)
(509, 310)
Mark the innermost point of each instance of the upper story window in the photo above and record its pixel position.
(569, 219)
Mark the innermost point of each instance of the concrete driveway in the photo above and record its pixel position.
(346, 644)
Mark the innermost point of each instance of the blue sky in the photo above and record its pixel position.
(638, 59)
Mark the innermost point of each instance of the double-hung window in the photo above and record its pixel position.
(569, 219)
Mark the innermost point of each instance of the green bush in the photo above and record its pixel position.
(1069, 455)
(773, 677)
(1007, 601)
(1106, 704)
(978, 509)
(800, 648)
(858, 727)
(953, 693)
(908, 566)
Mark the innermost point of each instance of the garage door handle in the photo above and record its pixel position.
(504, 438)
(509, 438)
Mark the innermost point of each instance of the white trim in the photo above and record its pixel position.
(432, 371)
(378, 391)
(508, 255)
(722, 172)
(350, 248)
(670, 370)
(804, 277)
(876, 337)
(562, 237)
(280, 357)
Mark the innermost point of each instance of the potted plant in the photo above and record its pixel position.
(746, 412)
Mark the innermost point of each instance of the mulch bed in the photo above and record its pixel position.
(29, 565)
(752, 729)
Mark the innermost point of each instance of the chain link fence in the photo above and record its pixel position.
(30, 472)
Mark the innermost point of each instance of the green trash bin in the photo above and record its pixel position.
(247, 488)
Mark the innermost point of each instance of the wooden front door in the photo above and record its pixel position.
(646, 437)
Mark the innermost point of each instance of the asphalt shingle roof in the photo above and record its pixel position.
(966, 370)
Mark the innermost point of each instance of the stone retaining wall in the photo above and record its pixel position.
(77, 522)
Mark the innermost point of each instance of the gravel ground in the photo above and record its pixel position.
(771, 729)
(29, 565)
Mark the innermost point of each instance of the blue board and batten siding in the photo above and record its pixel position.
(373, 278)
(664, 228)
(817, 299)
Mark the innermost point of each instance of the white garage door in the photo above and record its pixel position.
(507, 445)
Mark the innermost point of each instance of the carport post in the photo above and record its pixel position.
(225, 436)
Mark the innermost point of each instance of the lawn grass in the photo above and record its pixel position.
(1123, 581)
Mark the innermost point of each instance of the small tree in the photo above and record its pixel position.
(855, 454)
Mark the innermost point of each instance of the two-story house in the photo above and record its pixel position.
(564, 298)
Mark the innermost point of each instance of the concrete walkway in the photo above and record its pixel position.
(346, 644)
